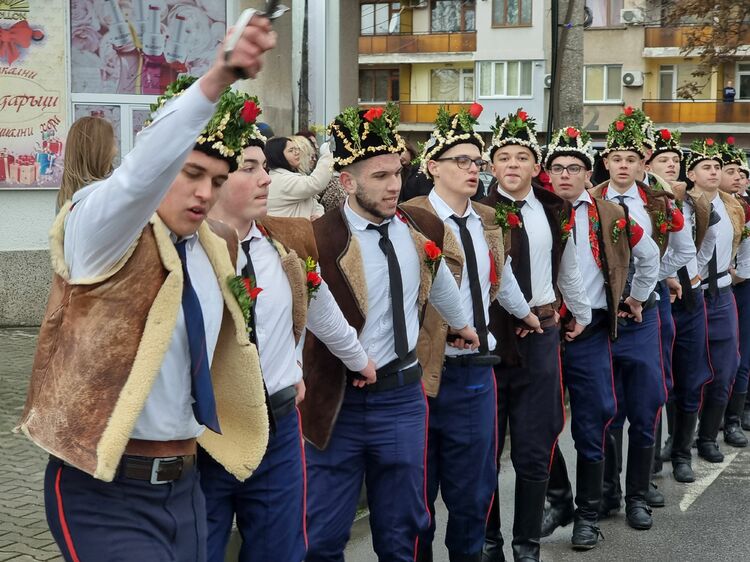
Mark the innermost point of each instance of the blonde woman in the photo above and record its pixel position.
(90, 150)
(308, 155)
(292, 193)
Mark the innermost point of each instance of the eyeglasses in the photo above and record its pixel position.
(464, 162)
(573, 169)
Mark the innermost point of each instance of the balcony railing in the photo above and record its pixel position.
(699, 111)
(459, 42)
(678, 36)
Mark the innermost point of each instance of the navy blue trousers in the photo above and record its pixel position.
(690, 366)
(269, 505)
(722, 345)
(530, 402)
(124, 520)
(587, 373)
(742, 296)
(379, 437)
(639, 379)
(462, 453)
(667, 328)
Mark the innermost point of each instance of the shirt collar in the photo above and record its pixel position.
(355, 220)
(189, 240)
(444, 211)
(583, 197)
(530, 198)
(253, 233)
(632, 192)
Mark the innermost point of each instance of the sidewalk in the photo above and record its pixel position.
(23, 527)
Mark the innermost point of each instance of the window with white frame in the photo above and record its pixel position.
(505, 79)
(602, 83)
(743, 81)
(452, 84)
(667, 82)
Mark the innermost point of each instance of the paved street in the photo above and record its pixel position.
(706, 520)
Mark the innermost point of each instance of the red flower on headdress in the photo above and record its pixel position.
(709, 142)
(475, 110)
(730, 140)
(620, 125)
(628, 111)
(572, 132)
(250, 111)
(665, 134)
(373, 113)
(523, 116)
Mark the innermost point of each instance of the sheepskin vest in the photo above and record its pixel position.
(343, 269)
(432, 336)
(102, 343)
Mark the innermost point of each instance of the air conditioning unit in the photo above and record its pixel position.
(632, 79)
(547, 81)
(632, 16)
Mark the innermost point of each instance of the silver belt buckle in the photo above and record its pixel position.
(155, 469)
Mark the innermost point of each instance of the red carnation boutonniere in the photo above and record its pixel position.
(671, 221)
(373, 113)
(745, 233)
(313, 278)
(246, 292)
(433, 255)
(475, 110)
(506, 215)
(618, 227)
(566, 225)
(250, 111)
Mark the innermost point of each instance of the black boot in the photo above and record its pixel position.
(658, 463)
(493, 537)
(637, 479)
(559, 495)
(666, 449)
(527, 521)
(708, 429)
(589, 477)
(459, 557)
(654, 498)
(611, 489)
(684, 429)
(733, 434)
(746, 414)
(424, 551)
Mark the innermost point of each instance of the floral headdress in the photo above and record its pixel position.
(517, 128)
(358, 134)
(625, 134)
(733, 154)
(666, 141)
(449, 131)
(703, 149)
(232, 128)
(644, 122)
(571, 141)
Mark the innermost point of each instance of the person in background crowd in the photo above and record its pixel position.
(292, 193)
(150, 350)
(308, 154)
(90, 149)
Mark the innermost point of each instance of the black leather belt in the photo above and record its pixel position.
(157, 470)
(283, 401)
(719, 291)
(393, 375)
(471, 359)
(599, 318)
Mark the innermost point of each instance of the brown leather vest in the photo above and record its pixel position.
(342, 268)
(502, 324)
(102, 343)
(432, 336)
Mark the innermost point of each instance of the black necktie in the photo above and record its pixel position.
(401, 341)
(631, 268)
(713, 272)
(477, 303)
(524, 267)
(204, 407)
(249, 272)
(687, 288)
(575, 221)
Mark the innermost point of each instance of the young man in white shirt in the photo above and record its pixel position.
(140, 302)
(460, 384)
(278, 257)
(382, 263)
(539, 224)
(605, 245)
